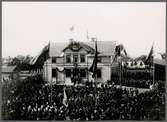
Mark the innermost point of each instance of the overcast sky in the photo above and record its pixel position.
(28, 26)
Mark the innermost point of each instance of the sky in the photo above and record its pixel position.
(28, 26)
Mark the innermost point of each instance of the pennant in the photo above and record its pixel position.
(149, 59)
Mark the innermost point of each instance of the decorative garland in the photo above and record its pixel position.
(60, 70)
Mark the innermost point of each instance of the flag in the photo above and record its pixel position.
(119, 51)
(64, 98)
(93, 67)
(71, 28)
(149, 59)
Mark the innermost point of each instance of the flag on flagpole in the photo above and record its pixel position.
(119, 51)
(93, 67)
(39, 60)
(64, 98)
(72, 28)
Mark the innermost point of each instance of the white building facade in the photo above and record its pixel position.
(74, 59)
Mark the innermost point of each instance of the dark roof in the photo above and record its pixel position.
(8, 69)
(142, 57)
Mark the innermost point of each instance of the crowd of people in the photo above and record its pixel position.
(139, 83)
(38, 101)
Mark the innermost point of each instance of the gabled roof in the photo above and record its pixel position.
(104, 47)
(8, 69)
(56, 48)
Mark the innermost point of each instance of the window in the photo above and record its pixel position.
(135, 63)
(68, 58)
(82, 58)
(98, 73)
(99, 59)
(68, 72)
(54, 73)
(75, 58)
(53, 60)
(83, 73)
(141, 64)
(131, 63)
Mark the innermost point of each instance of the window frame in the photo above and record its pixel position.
(54, 75)
(74, 56)
(54, 60)
(82, 56)
(68, 56)
(100, 73)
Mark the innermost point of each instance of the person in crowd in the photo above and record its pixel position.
(44, 102)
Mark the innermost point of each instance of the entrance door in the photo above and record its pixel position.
(75, 75)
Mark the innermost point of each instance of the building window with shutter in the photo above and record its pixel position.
(53, 60)
(82, 58)
(82, 73)
(98, 73)
(54, 73)
(68, 59)
(68, 72)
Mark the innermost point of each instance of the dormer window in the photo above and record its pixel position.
(75, 46)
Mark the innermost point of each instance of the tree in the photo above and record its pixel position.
(22, 62)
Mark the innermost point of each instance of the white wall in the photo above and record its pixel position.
(104, 66)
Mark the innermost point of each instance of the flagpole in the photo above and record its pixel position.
(110, 68)
(87, 36)
(93, 69)
(87, 68)
(153, 67)
(120, 71)
(64, 67)
(96, 79)
(95, 90)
